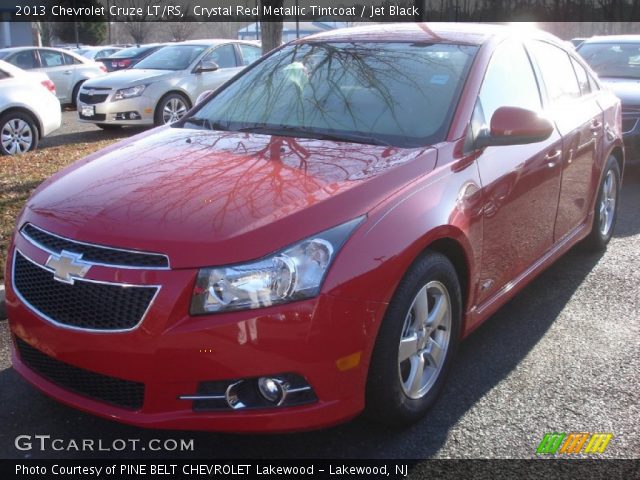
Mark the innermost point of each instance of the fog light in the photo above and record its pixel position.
(272, 390)
(127, 116)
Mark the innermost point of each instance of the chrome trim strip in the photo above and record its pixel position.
(202, 397)
(103, 247)
(298, 390)
(71, 327)
(223, 397)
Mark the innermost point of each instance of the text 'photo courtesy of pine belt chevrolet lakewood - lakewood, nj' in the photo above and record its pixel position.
(314, 239)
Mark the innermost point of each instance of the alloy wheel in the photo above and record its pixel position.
(16, 136)
(424, 340)
(608, 203)
(174, 109)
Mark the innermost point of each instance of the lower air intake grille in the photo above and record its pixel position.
(121, 393)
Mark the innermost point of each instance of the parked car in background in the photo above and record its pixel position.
(29, 109)
(96, 53)
(163, 86)
(66, 69)
(316, 237)
(616, 60)
(128, 57)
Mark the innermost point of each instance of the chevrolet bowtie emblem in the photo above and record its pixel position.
(67, 266)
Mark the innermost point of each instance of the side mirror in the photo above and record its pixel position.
(203, 96)
(207, 66)
(515, 126)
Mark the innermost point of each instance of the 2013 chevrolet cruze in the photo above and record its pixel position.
(316, 237)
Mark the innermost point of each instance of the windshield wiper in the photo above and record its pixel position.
(286, 131)
(206, 123)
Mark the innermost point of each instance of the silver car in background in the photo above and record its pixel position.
(161, 88)
(29, 109)
(67, 70)
(96, 53)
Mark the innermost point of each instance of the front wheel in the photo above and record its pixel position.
(606, 209)
(171, 108)
(416, 342)
(18, 133)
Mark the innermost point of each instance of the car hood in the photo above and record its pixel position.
(626, 89)
(126, 78)
(212, 198)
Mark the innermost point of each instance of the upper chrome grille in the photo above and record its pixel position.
(96, 254)
(85, 304)
(92, 99)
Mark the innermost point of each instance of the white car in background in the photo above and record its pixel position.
(66, 69)
(96, 53)
(162, 87)
(29, 109)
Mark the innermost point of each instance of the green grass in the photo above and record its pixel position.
(20, 175)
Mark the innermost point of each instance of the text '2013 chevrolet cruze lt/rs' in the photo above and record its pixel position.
(315, 238)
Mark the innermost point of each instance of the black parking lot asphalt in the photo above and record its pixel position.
(74, 131)
(560, 357)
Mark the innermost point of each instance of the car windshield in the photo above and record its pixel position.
(620, 60)
(401, 94)
(173, 57)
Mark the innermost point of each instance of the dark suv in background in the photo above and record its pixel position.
(616, 59)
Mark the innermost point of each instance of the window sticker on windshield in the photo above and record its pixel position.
(439, 79)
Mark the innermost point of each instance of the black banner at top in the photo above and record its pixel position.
(214, 10)
(318, 10)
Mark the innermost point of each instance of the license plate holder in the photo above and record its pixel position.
(88, 110)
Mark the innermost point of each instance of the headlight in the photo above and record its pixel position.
(129, 92)
(292, 274)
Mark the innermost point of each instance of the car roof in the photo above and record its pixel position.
(212, 41)
(61, 50)
(459, 33)
(613, 39)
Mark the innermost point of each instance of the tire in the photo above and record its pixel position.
(108, 126)
(170, 108)
(392, 397)
(18, 133)
(606, 207)
(74, 94)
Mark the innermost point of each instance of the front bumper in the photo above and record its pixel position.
(119, 112)
(172, 353)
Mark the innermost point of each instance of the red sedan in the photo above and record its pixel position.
(315, 238)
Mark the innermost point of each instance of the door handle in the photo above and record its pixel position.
(67, 72)
(552, 158)
(595, 126)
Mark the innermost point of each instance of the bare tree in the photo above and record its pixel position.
(181, 31)
(46, 31)
(131, 24)
(270, 26)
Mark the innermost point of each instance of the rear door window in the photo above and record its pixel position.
(557, 72)
(50, 58)
(69, 60)
(583, 77)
